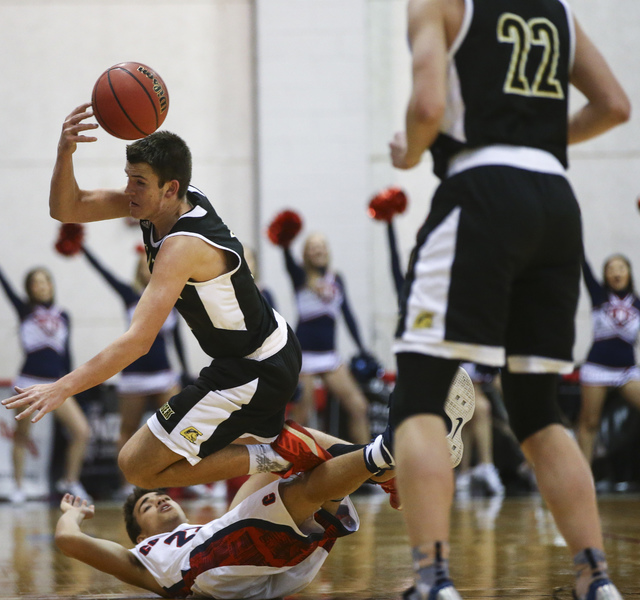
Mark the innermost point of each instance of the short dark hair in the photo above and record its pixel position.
(167, 154)
(130, 521)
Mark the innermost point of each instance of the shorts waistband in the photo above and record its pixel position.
(522, 157)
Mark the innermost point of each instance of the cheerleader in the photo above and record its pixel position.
(44, 336)
(611, 362)
(321, 298)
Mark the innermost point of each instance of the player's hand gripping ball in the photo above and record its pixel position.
(130, 100)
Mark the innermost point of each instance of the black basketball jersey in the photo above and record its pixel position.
(509, 78)
(228, 315)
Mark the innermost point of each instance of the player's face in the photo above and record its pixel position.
(157, 513)
(617, 274)
(41, 288)
(142, 187)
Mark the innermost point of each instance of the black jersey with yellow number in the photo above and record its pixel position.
(509, 78)
(228, 315)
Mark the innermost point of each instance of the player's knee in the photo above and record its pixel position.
(531, 401)
(130, 467)
(134, 475)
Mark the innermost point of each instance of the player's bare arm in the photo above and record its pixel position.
(428, 40)
(181, 258)
(67, 202)
(104, 555)
(607, 103)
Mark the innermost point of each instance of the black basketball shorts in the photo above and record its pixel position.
(495, 272)
(232, 398)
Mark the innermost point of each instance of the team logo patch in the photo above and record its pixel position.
(424, 320)
(166, 411)
(191, 434)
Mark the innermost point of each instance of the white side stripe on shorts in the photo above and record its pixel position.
(427, 302)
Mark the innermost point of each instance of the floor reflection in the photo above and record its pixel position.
(501, 548)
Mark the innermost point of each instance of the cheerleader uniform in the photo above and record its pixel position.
(611, 361)
(318, 312)
(44, 336)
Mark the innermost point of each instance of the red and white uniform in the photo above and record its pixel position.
(255, 551)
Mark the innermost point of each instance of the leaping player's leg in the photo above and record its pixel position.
(325, 485)
(146, 462)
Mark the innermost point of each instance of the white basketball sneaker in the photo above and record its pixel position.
(459, 406)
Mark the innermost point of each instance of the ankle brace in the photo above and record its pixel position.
(377, 456)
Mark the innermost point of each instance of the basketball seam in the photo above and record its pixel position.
(124, 112)
(96, 110)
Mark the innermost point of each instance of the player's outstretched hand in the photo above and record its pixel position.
(73, 127)
(42, 398)
(70, 502)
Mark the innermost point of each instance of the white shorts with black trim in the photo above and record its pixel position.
(233, 398)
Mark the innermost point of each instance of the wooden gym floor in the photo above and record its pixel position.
(500, 549)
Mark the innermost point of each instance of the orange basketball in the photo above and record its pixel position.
(130, 100)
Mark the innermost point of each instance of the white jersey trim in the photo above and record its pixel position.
(485, 355)
(218, 294)
(274, 343)
(572, 33)
(521, 157)
(464, 28)
(538, 364)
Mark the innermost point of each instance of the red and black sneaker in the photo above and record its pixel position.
(389, 487)
(300, 448)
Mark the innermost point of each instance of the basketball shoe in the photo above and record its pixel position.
(443, 590)
(389, 487)
(459, 406)
(601, 589)
(299, 447)
(379, 458)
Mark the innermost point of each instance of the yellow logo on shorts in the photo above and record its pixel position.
(191, 434)
(166, 411)
(424, 320)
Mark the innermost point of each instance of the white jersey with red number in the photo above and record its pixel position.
(255, 551)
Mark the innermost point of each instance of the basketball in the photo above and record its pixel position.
(130, 100)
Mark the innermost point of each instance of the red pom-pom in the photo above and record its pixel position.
(70, 238)
(284, 228)
(387, 203)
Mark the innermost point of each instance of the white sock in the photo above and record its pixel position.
(264, 459)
